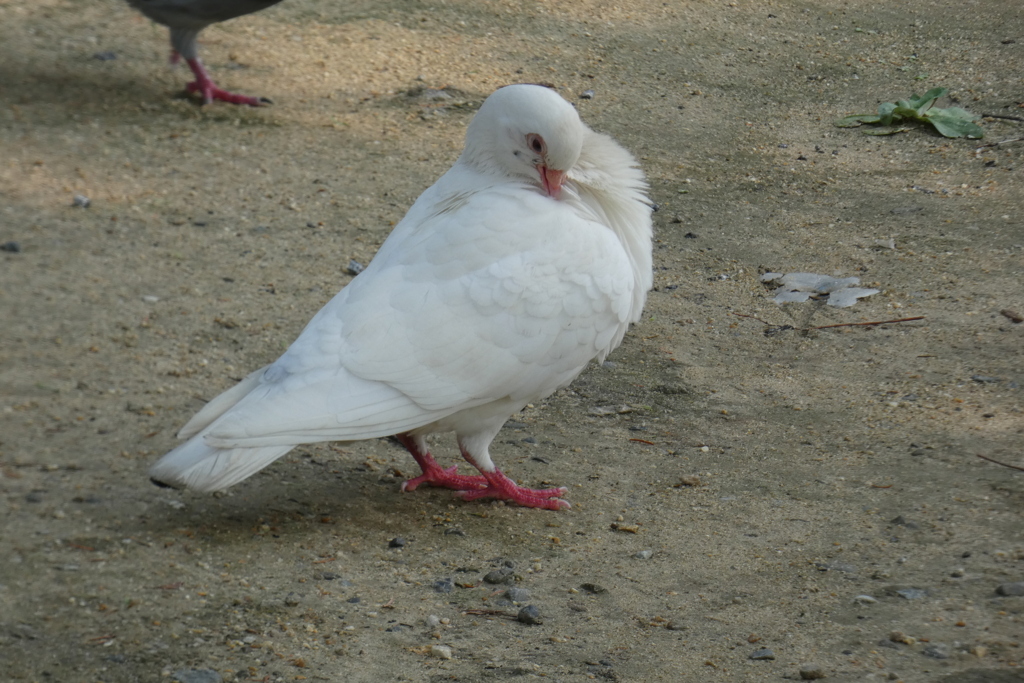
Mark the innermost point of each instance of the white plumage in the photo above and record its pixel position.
(528, 259)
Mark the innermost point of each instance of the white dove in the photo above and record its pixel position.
(528, 259)
(186, 18)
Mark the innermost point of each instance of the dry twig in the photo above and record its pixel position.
(1012, 467)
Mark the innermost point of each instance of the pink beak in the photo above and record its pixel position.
(552, 180)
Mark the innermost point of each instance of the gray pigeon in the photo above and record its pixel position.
(186, 18)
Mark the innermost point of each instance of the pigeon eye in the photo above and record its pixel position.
(536, 143)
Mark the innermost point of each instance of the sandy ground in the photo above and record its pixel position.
(776, 474)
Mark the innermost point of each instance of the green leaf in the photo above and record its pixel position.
(954, 125)
(924, 102)
(902, 112)
(952, 122)
(885, 110)
(856, 120)
(886, 131)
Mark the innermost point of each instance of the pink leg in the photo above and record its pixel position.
(433, 475)
(205, 86)
(500, 486)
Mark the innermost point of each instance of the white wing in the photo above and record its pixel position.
(500, 293)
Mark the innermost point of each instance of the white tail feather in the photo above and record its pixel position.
(198, 466)
(220, 405)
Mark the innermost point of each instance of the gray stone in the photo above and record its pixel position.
(500, 576)
(764, 654)
(529, 615)
(936, 651)
(517, 594)
(1015, 588)
(196, 676)
(811, 672)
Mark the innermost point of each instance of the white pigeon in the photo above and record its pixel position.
(528, 259)
(185, 19)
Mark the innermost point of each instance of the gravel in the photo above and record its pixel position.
(500, 576)
(529, 615)
(517, 594)
(812, 672)
(440, 652)
(196, 676)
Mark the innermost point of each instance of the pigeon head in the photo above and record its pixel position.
(528, 132)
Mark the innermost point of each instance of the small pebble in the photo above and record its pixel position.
(844, 567)
(292, 599)
(517, 594)
(81, 202)
(865, 600)
(1013, 315)
(396, 542)
(811, 672)
(587, 95)
(904, 522)
(499, 576)
(529, 615)
(644, 555)
(900, 637)
(763, 654)
(11, 247)
(936, 651)
(440, 652)
(196, 676)
(594, 588)
(105, 56)
(433, 621)
(912, 593)
(354, 267)
(444, 585)
(957, 573)
(1015, 588)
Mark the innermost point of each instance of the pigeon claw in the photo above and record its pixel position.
(210, 92)
(501, 487)
(447, 479)
(205, 86)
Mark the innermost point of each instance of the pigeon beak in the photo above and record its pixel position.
(552, 180)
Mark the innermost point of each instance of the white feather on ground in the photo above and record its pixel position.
(528, 259)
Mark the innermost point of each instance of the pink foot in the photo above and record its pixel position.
(205, 86)
(433, 475)
(448, 479)
(500, 486)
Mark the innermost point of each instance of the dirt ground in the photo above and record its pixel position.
(810, 492)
